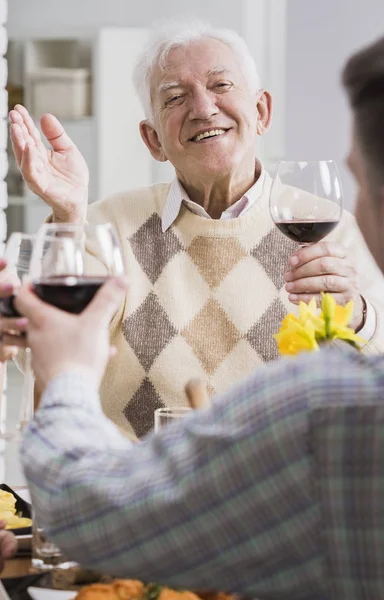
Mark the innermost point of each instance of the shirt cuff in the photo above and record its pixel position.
(70, 388)
(368, 330)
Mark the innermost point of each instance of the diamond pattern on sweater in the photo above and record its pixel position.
(241, 289)
(273, 252)
(148, 330)
(211, 335)
(153, 248)
(215, 257)
(141, 407)
(174, 286)
(260, 336)
(238, 364)
(176, 356)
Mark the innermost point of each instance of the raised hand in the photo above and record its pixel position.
(58, 175)
(324, 267)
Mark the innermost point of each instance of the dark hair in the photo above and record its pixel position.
(363, 78)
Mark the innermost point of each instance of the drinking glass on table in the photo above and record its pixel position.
(70, 263)
(18, 252)
(306, 200)
(166, 416)
(45, 554)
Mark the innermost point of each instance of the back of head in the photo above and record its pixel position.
(363, 78)
(165, 36)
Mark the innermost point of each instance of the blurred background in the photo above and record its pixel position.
(75, 58)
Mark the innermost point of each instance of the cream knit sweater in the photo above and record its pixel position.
(205, 299)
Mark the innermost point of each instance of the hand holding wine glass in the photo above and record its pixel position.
(306, 205)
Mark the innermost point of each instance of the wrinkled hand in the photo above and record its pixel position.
(10, 328)
(8, 544)
(60, 341)
(59, 176)
(324, 267)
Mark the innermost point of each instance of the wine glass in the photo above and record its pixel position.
(18, 253)
(306, 200)
(70, 263)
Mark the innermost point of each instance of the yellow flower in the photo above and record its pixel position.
(305, 332)
(294, 337)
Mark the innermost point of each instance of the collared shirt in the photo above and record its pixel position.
(273, 493)
(178, 196)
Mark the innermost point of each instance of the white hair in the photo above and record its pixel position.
(168, 35)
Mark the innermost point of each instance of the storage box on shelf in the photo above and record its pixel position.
(63, 92)
(85, 79)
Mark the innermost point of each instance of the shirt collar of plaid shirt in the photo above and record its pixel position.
(177, 196)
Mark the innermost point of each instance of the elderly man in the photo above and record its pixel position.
(210, 276)
(275, 492)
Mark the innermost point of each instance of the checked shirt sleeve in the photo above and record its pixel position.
(223, 499)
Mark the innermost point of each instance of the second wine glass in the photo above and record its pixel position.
(70, 263)
(306, 200)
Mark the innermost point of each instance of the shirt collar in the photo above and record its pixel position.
(177, 196)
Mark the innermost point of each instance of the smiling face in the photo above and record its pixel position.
(206, 120)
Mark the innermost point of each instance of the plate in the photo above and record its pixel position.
(46, 594)
(22, 507)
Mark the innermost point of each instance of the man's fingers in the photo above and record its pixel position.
(7, 352)
(107, 301)
(31, 307)
(305, 255)
(29, 123)
(8, 544)
(18, 142)
(13, 341)
(13, 324)
(55, 133)
(315, 285)
(326, 265)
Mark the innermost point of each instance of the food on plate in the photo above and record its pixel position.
(132, 589)
(8, 512)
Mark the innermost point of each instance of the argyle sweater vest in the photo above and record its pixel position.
(204, 300)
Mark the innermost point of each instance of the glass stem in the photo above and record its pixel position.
(27, 401)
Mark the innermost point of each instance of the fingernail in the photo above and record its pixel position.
(289, 287)
(22, 322)
(293, 297)
(294, 261)
(288, 276)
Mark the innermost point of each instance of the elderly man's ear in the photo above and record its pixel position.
(264, 108)
(151, 140)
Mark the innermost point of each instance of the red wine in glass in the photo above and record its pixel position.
(306, 231)
(306, 200)
(68, 292)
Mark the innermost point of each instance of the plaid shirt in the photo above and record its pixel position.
(275, 492)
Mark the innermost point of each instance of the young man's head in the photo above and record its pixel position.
(363, 78)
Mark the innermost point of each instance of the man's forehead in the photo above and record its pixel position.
(166, 81)
(205, 56)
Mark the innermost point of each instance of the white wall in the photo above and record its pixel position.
(320, 37)
(26, 16)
